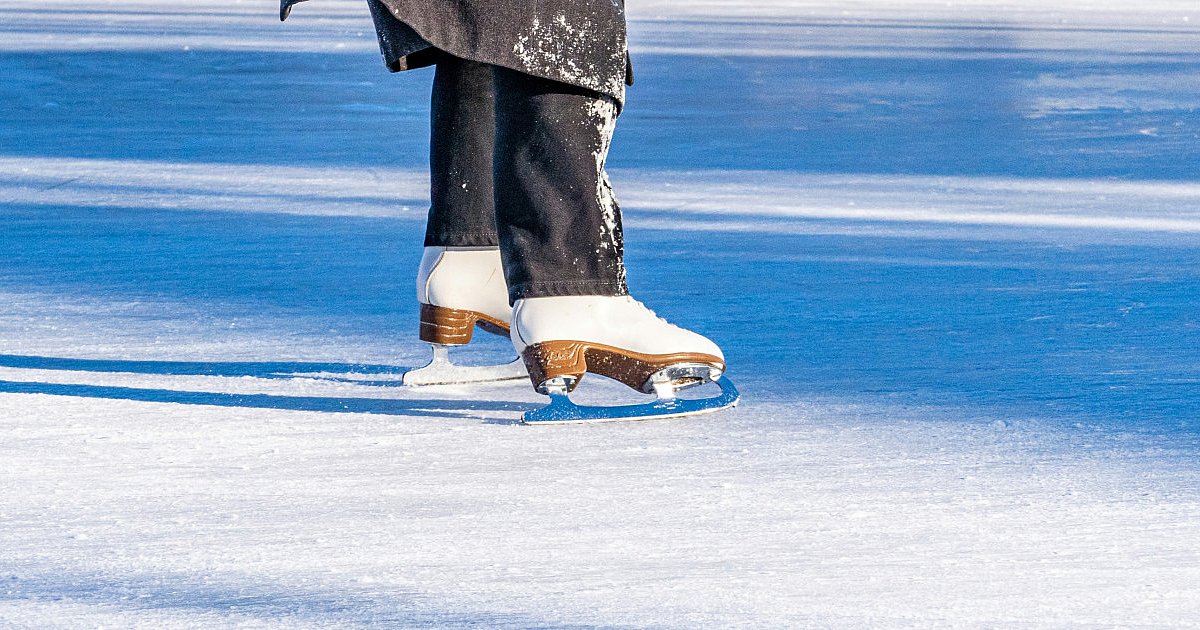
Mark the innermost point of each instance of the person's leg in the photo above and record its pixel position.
(561, 241)
(559, 224)
(462, 133)
(460, 282)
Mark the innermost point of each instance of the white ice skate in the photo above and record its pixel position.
(562, 338)
(460, 288)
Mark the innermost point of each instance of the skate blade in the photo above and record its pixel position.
(440, 371)
(562, 411)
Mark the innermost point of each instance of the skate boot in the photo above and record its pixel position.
(459, 289)
(563, 338)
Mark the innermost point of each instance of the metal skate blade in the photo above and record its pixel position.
(562, 411)
(441, 371)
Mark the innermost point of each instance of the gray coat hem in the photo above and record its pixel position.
(578, 42)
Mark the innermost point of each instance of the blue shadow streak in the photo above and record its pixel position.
(260, 600)
(332, 274)
(431, 408)
(886, 114)
(258, 369)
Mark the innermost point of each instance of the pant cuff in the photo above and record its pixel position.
(563, 289)
(479, 239)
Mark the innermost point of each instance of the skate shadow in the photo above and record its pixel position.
(227, 601)
(233, 369)
(360, 374)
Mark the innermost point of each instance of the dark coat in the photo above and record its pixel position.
(580, 42)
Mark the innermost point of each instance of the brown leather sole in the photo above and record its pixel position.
(454, 327)
(553, 359)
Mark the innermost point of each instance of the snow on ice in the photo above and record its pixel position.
(950, 249)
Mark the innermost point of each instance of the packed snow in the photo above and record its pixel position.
(951, 250)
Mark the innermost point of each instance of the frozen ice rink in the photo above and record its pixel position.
(951, 250)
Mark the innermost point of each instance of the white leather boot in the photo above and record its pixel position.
(561, 338)
(459, 288)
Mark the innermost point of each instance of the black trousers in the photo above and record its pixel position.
(518, 161)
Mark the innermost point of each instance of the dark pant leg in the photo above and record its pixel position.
(463, 126)
(558, 222)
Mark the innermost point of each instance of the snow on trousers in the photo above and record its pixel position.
(526, 95)
(518, 160)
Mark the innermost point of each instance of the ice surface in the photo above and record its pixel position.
(950, 249)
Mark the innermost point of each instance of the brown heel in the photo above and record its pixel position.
(455, 327)
(554, 359)
(446, 326)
